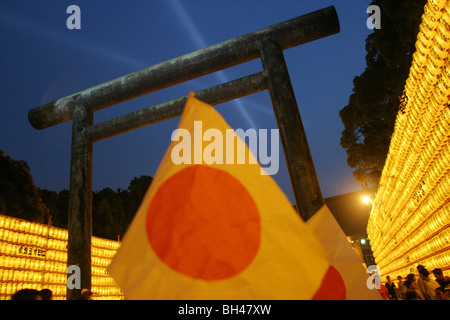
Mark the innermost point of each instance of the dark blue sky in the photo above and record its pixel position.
(41, 60)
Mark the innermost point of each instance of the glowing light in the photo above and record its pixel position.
(366, 200)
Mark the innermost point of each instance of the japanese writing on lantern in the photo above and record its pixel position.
(32, 251)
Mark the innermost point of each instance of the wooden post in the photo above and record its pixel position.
(80, 201)
(305, 184)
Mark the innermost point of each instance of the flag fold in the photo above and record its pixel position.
(341, 255)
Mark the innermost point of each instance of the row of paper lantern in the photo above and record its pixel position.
(103, 288)
(422, 181)
(409, 219)
(11, 236)
(432, 47)
(54, 280)
(434, 187)
(105, 244)
(427, 241)
(35, 256)
(99, 278)
(423, 146)
(412, 131)
(15, 256)
(28, 233)
(411, 260)
(59, 291)
(25, 234)
(56, 264)
(410, 216)
(408, 235)
(402, 268)
(21, 262)
(418, 171)
(403, 239)
(27, 227)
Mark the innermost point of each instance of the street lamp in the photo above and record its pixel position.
(367, 200)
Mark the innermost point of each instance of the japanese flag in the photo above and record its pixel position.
(218, 230)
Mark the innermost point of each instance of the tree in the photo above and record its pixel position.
(112, 211)
(370, 115)
(108, 214)
(58, 206)
(137, 189)
(19, 197)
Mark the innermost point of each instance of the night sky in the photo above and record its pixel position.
(41, 60)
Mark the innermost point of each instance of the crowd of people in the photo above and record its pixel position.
(32, 294)
(422, 287)
(44, 294)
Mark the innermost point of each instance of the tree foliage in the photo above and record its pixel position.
(19, 197)
(370, 115)
(58, 206)
(112, 211)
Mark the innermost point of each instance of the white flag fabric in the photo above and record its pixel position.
(219, 231)
(342, 256)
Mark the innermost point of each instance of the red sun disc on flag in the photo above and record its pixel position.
(203, 223)
(332, 287)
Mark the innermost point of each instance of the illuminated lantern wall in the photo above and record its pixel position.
(34, 256)
(410, 218)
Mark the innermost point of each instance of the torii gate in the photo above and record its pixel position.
(267, 44)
